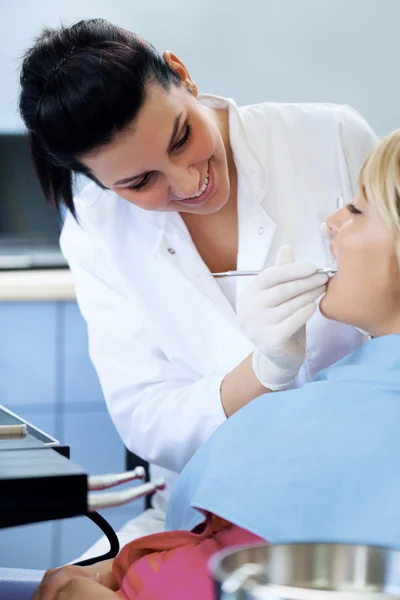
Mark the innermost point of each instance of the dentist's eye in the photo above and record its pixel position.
(141, 184)
(353, 209)
(185, 137)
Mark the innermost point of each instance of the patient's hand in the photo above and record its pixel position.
(96, 581)
(84, 588)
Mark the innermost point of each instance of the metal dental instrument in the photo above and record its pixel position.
(109, 499)
(327, 270)
(103, 482)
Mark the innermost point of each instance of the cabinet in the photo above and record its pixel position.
(46, 376)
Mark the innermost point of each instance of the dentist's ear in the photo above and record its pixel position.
(180, 69)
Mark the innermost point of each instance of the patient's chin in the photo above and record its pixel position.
(329, 307)
(333, 304)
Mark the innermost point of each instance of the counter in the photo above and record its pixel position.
(31, 285)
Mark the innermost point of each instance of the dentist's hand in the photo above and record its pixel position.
(273, 311)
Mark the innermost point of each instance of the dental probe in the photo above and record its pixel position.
(103, 482)
(327, 270)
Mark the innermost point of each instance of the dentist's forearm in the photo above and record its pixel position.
(240, 387)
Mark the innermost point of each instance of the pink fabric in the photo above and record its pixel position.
(174, 564)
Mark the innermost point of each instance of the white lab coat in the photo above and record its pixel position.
(162, 334)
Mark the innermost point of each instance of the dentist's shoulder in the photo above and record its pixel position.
(305, 128)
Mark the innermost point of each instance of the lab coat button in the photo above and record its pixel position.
(260, 230)
(171, 250)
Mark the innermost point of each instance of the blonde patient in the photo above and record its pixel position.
(319, 462)
(365, 239)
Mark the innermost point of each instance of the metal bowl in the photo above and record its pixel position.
(307, 571)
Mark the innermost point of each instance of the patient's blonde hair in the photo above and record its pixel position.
(380, 182)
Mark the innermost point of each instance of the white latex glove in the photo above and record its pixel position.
(273, 311)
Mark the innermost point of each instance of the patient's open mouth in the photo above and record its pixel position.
(334, 267)
(334, 263)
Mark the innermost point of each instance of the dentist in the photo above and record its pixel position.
(182, 186)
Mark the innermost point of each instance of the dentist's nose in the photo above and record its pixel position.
(185, 182)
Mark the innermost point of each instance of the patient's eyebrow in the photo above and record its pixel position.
(363, 192)
(175, 129)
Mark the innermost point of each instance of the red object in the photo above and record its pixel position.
(174, 564)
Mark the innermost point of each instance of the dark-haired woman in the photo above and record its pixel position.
(183, 186)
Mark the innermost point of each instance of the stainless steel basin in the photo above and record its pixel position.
(307, 571)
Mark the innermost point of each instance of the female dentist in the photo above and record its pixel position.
(183, 186)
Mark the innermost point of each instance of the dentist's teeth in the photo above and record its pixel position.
(202, 189)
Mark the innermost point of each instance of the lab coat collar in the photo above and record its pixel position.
(247, 160)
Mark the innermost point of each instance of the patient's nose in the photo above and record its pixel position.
(335, 221)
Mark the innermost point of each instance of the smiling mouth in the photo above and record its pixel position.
(202, 189)
(202, 192)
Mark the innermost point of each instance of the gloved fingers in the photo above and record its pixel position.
(285, 310)
(283, 273)
(285, 269)
(286, 291)
(292, 324)
(284, 256)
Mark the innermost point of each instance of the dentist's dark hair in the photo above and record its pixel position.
(80, 86)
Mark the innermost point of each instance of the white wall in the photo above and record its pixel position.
(252, 50)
